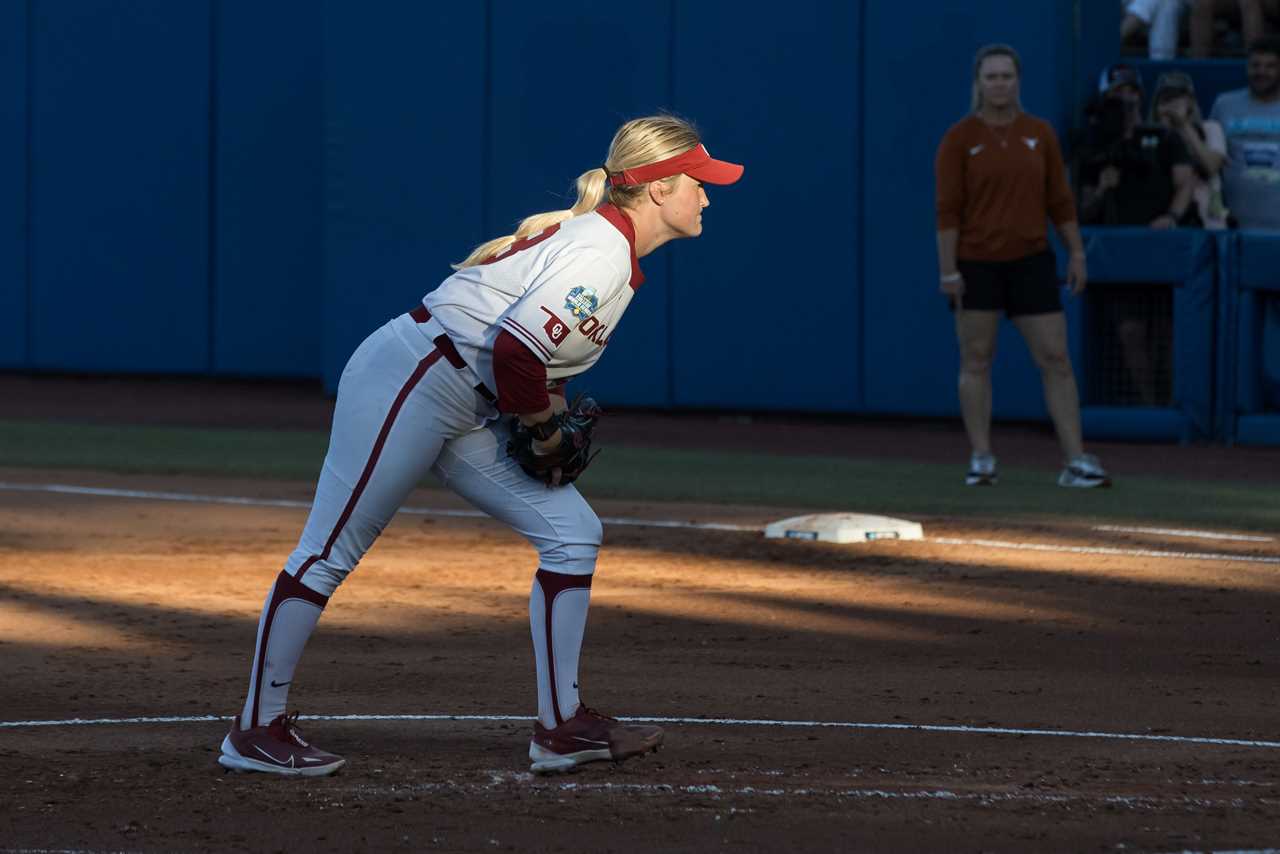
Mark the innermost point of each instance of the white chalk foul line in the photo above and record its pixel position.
(745, 722)
(616, 520)
(718, 791)
(1103, 550)
(1180, 532)
(306, 505)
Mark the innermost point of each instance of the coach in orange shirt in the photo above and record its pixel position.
(1000, 177)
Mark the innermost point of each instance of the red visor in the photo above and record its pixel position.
(696, 163)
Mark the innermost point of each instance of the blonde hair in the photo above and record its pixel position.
(637, 143)
(985, 53)
(1153, 114)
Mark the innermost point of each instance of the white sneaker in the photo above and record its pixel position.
(982, 470)
(1085, 472)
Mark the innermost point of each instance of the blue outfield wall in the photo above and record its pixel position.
(119, 260)
(267, 193)
(301, 172)
(13, 185)
(765, 309)
(404, 159)
(547, 125)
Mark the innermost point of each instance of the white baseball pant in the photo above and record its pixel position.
(407, 405)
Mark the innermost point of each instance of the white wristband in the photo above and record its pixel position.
(950, 277)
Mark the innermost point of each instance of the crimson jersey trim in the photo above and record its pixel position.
(622, 222)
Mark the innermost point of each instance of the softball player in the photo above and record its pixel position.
(427, 392)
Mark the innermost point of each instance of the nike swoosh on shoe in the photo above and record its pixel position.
(274, 759)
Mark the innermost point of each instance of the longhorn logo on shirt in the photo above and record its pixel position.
(557, 330)
(1031, 142)
(582, 302)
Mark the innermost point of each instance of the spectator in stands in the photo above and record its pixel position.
(1253, 15)
(1174, 107)
(1161, 19)
(1131, 173)
(1000, 178)
(1134, 174)
(1251, 119)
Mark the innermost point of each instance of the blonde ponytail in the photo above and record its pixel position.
(590, 186)
(637, 143)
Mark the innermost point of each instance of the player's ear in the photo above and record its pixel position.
(658, 192)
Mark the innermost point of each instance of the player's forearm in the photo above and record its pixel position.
(1209, 159)
(948, 239)
(528, 419)
(1181, 200)
(1070, 234)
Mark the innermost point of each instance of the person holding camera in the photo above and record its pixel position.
(1000, 179)
(1141, 175)
(1133, 173)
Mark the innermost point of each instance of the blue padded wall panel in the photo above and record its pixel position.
(1259, 260)
(267, 196)
(13, 185)
(548, 125)
(765, 304)
(911, 100)
(120, 157)
(403, 159)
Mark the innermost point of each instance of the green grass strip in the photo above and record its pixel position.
(884, 486)
(902, 488)
(272, 454)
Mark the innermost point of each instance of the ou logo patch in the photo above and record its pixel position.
(555, 328)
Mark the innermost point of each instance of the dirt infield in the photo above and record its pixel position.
(125, 608)
(953, 694)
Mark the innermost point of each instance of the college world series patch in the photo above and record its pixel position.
(582, 302)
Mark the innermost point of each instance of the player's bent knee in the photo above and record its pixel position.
(324, 578)
(575, 549)
(569, 558)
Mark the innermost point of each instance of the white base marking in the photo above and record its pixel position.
(1179, 532)
(618, 520)
(969, 730)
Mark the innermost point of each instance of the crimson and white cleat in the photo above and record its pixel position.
(277, 748)
(589, 736)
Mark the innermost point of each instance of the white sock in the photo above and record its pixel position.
(558, 618)
(289, 616)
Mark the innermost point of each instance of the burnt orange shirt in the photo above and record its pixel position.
(999, 185)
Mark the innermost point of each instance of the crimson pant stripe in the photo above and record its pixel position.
(296, 581)
(287, 587)
(418, 373)
(553, 584)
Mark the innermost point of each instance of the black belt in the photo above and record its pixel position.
(450, 352)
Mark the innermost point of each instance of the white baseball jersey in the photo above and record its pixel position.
(561, 293)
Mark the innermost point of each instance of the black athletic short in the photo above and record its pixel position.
(1022, 286)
